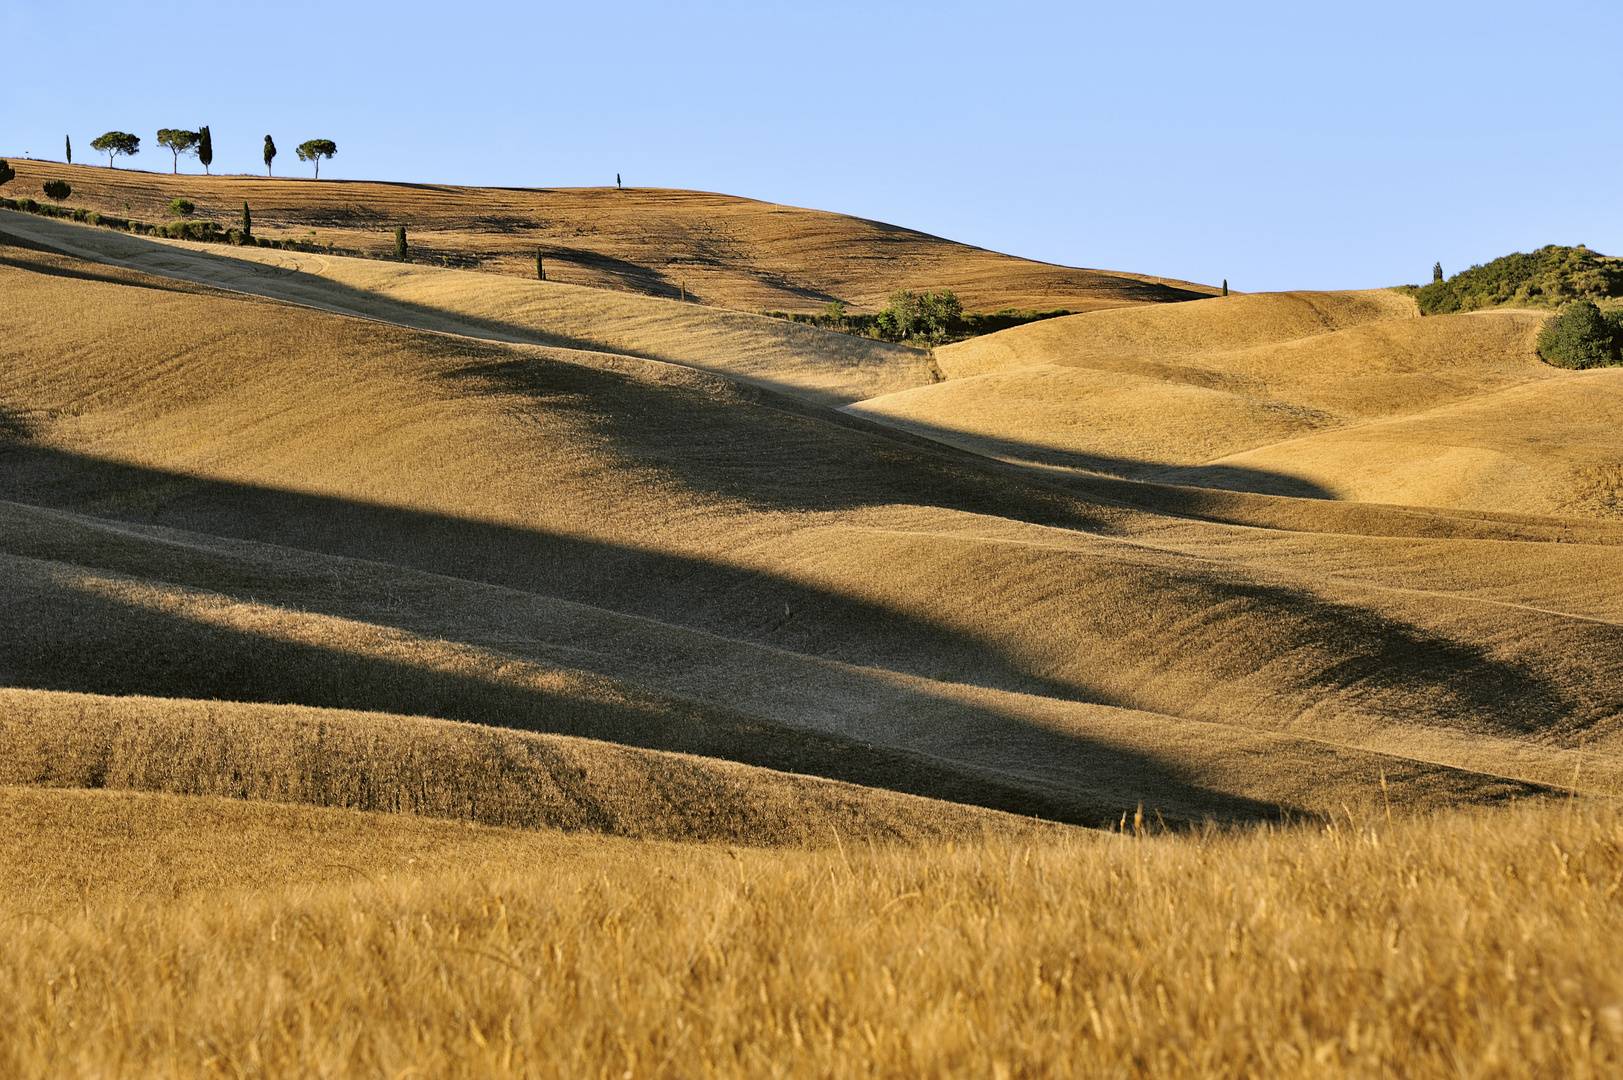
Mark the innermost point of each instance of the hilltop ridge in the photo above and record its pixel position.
(720, 250)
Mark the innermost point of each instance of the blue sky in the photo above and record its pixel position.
(1275, 145)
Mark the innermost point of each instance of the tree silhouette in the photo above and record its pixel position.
(316, 149)
(1437, 272)
(400, 242)
(177, 141)
(247, 220)
(57, 189)
(270, 153)
(205, 148)
(114, 143)
(7, 173)
(540, 267)
(69, 139)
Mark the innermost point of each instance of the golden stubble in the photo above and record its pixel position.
(1356, 948)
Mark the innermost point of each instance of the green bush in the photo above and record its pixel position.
(181, 208)
(932, 316)
(57, 189)
(1580, 336)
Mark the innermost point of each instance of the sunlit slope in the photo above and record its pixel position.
(1552, 447)
(817, 364)
(1216, 324)
(1135, 406)
(1025, 637)
(476, 774)
(717, 249)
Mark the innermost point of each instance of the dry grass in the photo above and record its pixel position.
(821, 365)
(654, 594)
(1542, 448)
(718, 249)
(473, 773)
(1463, 943)
(1215, 325)
(1235, 392)
(1348, 396)
(598, 546)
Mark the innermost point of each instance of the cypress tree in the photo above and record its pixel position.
(69, 139)
(270, 152)
(540, 267)
(205, 148)
(247, 220)
(1225, 286)
(1437, 272)
(400, 242)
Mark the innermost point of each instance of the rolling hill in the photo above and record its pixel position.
(419, 672)
(716, 249)
(632, 550)
(1348, 396)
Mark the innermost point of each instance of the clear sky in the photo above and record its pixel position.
(1288, 145)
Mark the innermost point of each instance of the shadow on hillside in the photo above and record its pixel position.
(1381, 666)
(1222, 477)
(65, 638)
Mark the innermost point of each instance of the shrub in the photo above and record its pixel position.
(930, 315)
(1579, 337)
(57, 189)
(7, 173)
(181, 208)
(400, 242)
(1548, 277)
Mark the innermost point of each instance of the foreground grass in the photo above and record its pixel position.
(1471, 944)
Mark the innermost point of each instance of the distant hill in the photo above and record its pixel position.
(1548, 277)
(715, 249)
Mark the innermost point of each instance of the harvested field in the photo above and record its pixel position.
(717, 249)
(411, 671)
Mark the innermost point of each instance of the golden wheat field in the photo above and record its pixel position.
(716, 249)
(418, 670)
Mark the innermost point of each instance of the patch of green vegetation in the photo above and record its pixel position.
(1549, 277)
(1582, 336)
(928, 318)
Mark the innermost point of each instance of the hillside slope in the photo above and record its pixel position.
(717, 249)
(820, 365)
(1334, 395)
(219, 496)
